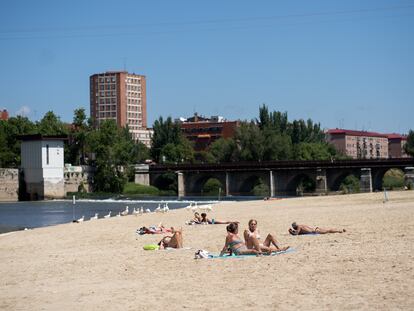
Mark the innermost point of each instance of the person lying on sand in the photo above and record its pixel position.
(252, 234)
(205, 220)
(195, 221)
(174, 241)
(305, 229)
(235, 244)
(153, 230)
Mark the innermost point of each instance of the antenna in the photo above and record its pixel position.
(124, 59)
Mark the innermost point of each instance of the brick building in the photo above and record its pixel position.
(120, 96)
(204, 131)
(4, 115)
(396, 143)
(359, 144)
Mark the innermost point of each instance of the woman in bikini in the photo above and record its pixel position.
(174, 241)
(305, 229)
(269, 244)
(236, 245)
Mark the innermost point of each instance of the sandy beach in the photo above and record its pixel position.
(101, 265)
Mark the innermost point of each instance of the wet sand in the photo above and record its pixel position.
(100, 265)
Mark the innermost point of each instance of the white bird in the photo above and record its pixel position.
(158, 209)
(166, 208)
(141, 210)
(188, 207)
(135, 211)
(126, 211)
(109, 215)
(119, 214)
(94, 217)
(147, 210)
(81, 219)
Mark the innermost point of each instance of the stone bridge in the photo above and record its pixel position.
(281, 177)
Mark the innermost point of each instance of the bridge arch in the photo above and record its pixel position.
(302, 182)
(194, 183)
(379, 175)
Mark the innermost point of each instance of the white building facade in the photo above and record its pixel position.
(42, 162)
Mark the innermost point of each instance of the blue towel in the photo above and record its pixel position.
(289, 250)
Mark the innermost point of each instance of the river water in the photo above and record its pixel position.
(20, 215)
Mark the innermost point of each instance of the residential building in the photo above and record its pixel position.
(204, 131)
(4, 115)
(359, 144)
(396, 143)
(120, 96)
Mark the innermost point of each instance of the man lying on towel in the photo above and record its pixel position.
(305, 229)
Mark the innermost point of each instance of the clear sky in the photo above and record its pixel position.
(347, 64)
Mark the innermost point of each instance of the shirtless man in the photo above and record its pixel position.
(269, 244)
(305, 229)
(174, 241)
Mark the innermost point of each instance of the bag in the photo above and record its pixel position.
(201, 253)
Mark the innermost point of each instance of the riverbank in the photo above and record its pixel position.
(100, 264)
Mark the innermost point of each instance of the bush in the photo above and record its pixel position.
(211, 187)
(393, 179)
(261, 189)
(132, 188)
(350, 185)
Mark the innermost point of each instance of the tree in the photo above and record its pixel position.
(10, 144)
(250, 142)
(224, 150)
(409, 146)
(113, 148)
(77, 143)
(169, 143)
(313, 151)
(50, 124)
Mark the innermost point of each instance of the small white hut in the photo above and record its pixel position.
(42, 162)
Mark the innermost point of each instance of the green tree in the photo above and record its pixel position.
(50, 124)
(409, 146)
(312, 151)
(169, 143)
(113, 150)
(250, 142)
(77, 146)
(224, 150)
(10, 145)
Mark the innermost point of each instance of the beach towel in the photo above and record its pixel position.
(212, 256)
(311, 233)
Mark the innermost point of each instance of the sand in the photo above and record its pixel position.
(100, 265)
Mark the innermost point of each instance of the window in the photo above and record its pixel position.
(47, 154)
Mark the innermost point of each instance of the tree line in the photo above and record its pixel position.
(112, 150)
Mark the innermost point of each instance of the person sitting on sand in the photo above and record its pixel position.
(174, 241)
(205, 220)
(236, 245)
(195, 221)
(305, 229)
(269, 244)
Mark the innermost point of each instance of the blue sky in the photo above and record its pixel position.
(345, 64)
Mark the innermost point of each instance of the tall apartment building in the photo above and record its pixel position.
(359, 144)
(120, 96)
